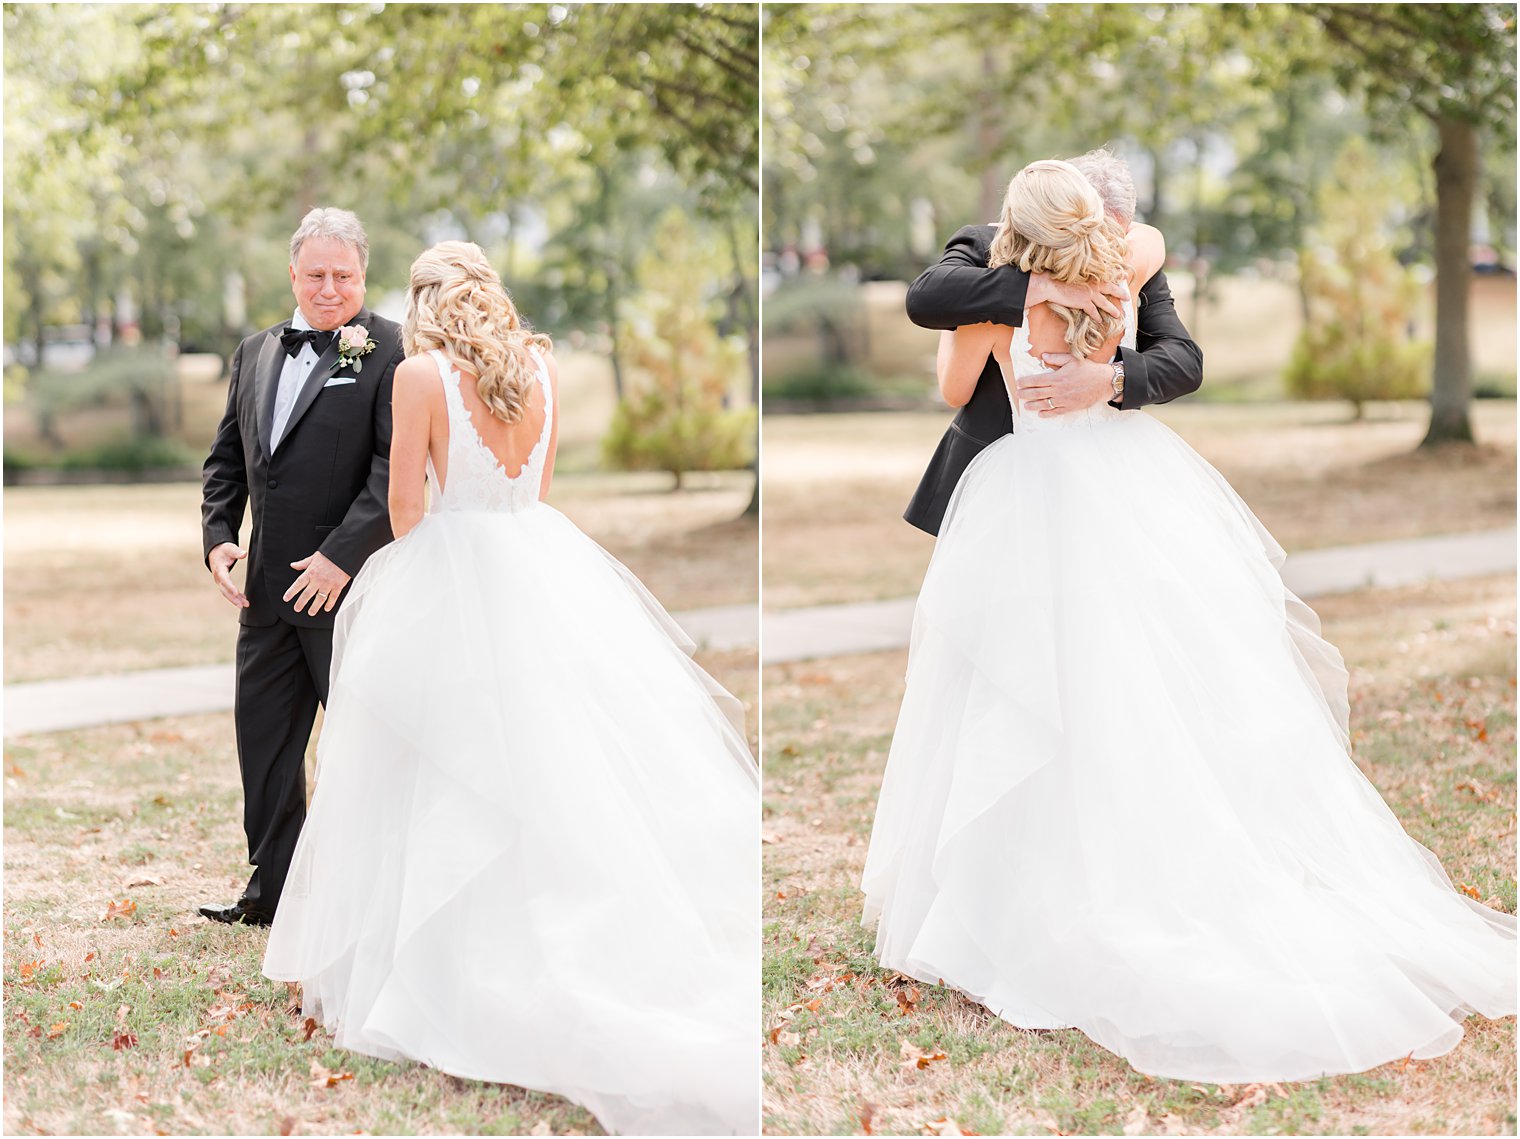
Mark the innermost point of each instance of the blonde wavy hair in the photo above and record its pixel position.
(1054, 222)
(455, 302)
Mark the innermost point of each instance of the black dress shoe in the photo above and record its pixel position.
(236, 914)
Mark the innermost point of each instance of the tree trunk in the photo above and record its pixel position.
(1155, 213)
(989, 141)
(1456, 168)
(311, 174)
(38, 308)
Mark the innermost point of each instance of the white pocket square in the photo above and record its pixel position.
(339, 381)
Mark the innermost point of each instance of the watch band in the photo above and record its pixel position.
(1118, 379)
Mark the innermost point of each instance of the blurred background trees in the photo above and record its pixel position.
(886, 128)
(160, 155)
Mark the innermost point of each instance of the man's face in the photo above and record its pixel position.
(328, 282)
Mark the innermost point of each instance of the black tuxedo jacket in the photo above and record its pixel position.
(324, 488)
(960, 289)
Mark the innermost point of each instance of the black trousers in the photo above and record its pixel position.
(281, 678)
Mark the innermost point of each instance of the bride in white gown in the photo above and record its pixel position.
(1132, 809)
(531, 853)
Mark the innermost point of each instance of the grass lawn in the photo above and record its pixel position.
(854, 1049)
(835, 485)
(157, 1020)
(110, 579)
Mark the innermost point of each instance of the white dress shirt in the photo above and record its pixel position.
(293, 376)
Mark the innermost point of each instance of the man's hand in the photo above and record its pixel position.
(221, 559)
(318, 585)
(1092, 299)
(1075, 385)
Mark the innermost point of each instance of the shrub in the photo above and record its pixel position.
(821, 384)
(676, 416)
(1356, 344)
(135, 453)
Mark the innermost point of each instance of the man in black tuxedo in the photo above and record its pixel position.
(960, 289)
(306, 439)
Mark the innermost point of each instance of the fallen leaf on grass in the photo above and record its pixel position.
(1471, 892)
(906, 999)
(1255, 1096)
(142, 880)
(122, 909)
(57, 1030)
(123, 1039)
(770, 838)
(75, 1005)
(826, 982)
(867, 1115)
(915, 1057)
(36, 939)
(781, 1036)
(945, 1126)
(327, 1078)
(29, 969)
(308, 1029)
(288, 1125)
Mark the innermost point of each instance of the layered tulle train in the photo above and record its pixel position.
(530, 856)
(1119, 795)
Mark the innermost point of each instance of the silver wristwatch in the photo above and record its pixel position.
(1118, 380)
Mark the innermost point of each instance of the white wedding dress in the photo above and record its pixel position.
(531, 856)
(1119, 795)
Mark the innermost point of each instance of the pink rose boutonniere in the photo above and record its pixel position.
(353, 342)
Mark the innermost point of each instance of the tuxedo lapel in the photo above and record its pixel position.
(319, 375)
(266, 383)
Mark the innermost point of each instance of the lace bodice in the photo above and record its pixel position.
(1027, 419)
(476, 478)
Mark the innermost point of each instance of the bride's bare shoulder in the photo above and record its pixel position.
(1147, 250)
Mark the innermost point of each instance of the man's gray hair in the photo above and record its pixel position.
(329, 221)
(1110, 176)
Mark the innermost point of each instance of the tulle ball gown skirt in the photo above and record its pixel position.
(1119, 796)
(530, 856)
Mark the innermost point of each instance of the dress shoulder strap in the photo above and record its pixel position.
(542, 367)
(445, 369)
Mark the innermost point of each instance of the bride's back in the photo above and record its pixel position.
(476, 458)
(510, 444)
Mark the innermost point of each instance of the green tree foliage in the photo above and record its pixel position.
(160, 155)
(1454, 66)
(678, 417)
(889, 126)
(1356, 342)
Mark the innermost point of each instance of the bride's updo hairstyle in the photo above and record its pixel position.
(455, 302)
(1054, 222)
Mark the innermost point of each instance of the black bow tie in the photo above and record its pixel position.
(293, 338)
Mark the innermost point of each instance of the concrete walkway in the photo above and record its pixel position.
(83, 702)
(872, 626)
(788, 635)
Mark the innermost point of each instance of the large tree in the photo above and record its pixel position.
(1454, 66)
